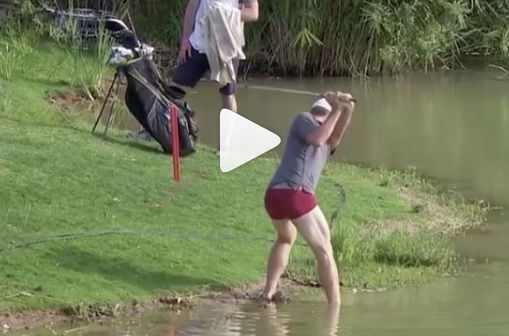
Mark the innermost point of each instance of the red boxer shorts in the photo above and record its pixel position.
(288, 203)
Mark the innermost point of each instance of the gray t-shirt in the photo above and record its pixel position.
(302, 163)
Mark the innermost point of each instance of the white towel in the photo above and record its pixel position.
(223, 30)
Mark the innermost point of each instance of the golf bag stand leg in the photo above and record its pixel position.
(115, 79)
(112, 106)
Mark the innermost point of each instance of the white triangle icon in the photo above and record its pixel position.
(241, 140)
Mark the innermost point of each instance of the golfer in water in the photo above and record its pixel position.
(290, 200)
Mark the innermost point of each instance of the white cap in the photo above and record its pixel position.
(322, 103)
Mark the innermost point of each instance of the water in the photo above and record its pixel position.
(454, 127)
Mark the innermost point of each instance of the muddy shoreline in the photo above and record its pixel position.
(97, 313)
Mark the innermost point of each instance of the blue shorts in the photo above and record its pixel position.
(190, 73)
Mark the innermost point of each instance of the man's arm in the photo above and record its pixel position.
(320, 135)
(249, 11)
(341, 125)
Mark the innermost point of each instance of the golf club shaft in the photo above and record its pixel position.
(285, 90)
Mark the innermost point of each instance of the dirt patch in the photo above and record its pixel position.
(287, 288)
(68, 99)
(18, 320)
(384, 228)
(66, 103)
(439, 216)
(28, 319)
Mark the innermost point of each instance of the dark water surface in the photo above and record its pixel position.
(454, 127)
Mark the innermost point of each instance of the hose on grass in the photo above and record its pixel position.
(340, 206)
(93, 234)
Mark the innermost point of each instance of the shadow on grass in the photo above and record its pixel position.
(128, 142)
(121, 270)
(114, 140)
(57, 83)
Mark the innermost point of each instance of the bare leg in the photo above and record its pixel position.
(278, 259)
(332, 324)
(313, 226)
(229, 102)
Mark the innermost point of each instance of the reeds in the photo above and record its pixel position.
(28, 28)
(344, 37)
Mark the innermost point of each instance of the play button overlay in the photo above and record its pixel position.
(241, 140)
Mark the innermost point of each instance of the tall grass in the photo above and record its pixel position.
(347, 37)
(13, 51)
(15, 44)
(426, 249)
(27, 28)
(365, 37)
(89, 75)
(7, 59)
(403, 249)
(332, 37)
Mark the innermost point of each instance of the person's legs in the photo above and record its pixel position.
(188, 74)
(315, 230)
(228, 99)
(229, 102)
(279, 255)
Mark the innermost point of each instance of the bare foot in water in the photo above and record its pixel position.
(267, 300)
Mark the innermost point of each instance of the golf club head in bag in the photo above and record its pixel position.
(147, 95)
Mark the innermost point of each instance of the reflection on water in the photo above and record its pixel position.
(214, 319)
(251, 319)
(454, 127)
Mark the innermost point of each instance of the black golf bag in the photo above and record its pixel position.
(148, 97)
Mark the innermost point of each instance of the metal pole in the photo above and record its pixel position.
(175, 142)
(105, 102)
(111, 110)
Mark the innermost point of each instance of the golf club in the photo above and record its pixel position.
(285, 90)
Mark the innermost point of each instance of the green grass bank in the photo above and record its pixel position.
(86, 219)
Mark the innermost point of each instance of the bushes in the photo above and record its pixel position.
(376, 36)
(346, 37)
